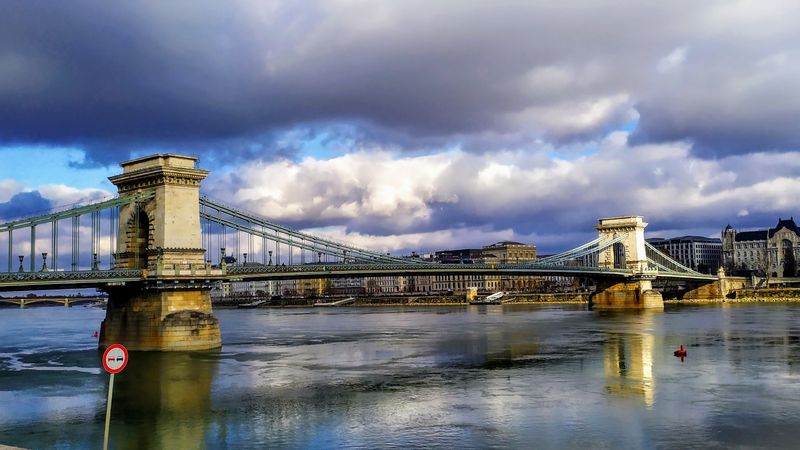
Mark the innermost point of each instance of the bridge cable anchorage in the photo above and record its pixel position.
(293, 236)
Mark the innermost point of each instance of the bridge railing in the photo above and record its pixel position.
(68, 275)
(430, 268)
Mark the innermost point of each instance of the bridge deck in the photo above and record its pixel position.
(106, 278)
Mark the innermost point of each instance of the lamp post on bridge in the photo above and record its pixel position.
(245, 258)
(21, 258)
(44, 261)
(270, 258)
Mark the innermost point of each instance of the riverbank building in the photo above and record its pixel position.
(768, 252)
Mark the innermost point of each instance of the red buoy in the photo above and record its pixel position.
(681, 352)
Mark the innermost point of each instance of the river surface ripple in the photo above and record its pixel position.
(540, 376)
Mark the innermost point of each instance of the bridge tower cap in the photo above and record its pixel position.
(159, 160)
(621, 221)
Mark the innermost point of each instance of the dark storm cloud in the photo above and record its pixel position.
(215, 77)
(24, 204)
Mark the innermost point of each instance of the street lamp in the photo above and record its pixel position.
(44, 261)
(245, 258)
(21, 258)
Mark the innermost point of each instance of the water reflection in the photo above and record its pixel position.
(499, 377)
(163, 400)
(628, 361)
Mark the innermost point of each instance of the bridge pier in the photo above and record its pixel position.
(638, 294)
(158, 319)
(714, 290)
(627, 254)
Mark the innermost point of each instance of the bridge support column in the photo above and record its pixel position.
(704, 291)
(714, 290)
(637, 294)
(161, 320)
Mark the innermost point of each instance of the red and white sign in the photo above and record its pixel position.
(115, 358)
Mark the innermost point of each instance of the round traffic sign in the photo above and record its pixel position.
(115, 358)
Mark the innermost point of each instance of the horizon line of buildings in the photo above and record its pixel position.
(498, 253)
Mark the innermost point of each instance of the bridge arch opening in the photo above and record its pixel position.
(619, 256)
(139, 236)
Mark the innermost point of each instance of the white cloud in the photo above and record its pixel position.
(348, 187)
(8, 188)
(673, 61)
(392, 201)
(62, 195)
(401, 243)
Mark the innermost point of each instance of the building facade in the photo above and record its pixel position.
(695, 252)
(508, 252)
(769, 252)
(503, 252)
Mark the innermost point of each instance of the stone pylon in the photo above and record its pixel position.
(170, 309)
(630, 254)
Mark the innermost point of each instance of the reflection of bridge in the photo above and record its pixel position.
(166, 247)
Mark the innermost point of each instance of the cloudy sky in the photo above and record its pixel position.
(403, 125)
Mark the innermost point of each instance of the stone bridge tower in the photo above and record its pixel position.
(629, 254)
(171, 308)
(166, 227)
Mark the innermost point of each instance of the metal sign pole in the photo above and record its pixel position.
(115, 358)
(108, 411)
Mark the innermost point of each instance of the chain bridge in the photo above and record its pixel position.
(159, 247)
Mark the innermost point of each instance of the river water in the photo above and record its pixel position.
(541, 376)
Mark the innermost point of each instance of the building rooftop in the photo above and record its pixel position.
(685, 239)
(762, 235)
(507, 243)
(784, 223)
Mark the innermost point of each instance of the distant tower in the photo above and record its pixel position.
(728, 248)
